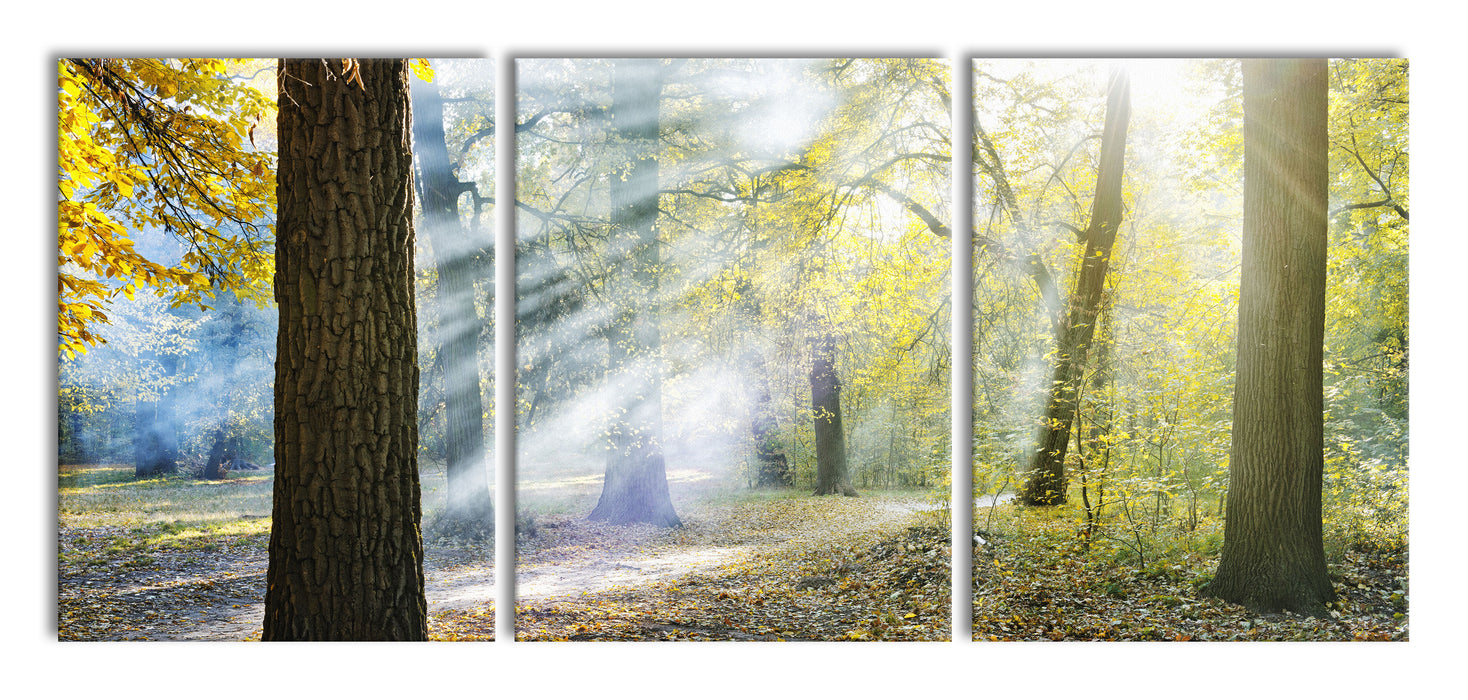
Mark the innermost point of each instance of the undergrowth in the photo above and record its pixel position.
(1043, 573)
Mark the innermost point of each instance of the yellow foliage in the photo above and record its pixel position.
(159, 144)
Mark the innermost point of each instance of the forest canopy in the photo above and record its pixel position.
(801, 210)
(180, 146)
(1149, 452)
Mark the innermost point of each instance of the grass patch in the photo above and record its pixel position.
(99, 495)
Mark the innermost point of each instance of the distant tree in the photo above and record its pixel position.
(230, 383)
(216, 467)
(1046, 483)
(636, 485)
(1273, 554)
(155, 442)
(832, 474)
(774, 467)
(470, 508)
(346, 556)
(158, 345)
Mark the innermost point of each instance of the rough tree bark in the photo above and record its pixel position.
(1046, 482)
(346, 556)
(636, 486)
(832, 475)
(1273, 553)
(470, 508)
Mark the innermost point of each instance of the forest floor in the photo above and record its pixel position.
(777, 568)
(1040, 582)
(181, 559)
(178, 558)
(115, 586)
(186, 560)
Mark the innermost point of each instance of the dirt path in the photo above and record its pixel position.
(219, 595)
(802, 568)
(571, 557)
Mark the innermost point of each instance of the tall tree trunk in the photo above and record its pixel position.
(832, 475)
(155, 436)
(470, 508)
(1046, 483)
(346, 556)
(1273, 553)
(636, 485)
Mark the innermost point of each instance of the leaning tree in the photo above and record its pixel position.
(1046, 483)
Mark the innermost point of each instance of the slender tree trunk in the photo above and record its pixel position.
(470, 508)
(223, 451)
(1273, 552)
(636, 486)
(346, 556)
(1046, 484)
(832, 475)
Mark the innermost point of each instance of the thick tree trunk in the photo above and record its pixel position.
(346, 556)
(1273, 554)
(1046, 484)
(832, 475)
(470, 507)
(636, 485)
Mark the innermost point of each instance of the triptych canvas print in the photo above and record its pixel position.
(768, 349)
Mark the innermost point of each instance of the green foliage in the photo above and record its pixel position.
(1153, 437)
(213, 369)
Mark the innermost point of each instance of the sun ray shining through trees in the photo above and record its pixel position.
(732, 356)
(1169, 463)
(732, 283)
(449, 110)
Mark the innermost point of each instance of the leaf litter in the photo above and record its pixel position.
(793, 569)
(807, 568)
(125, 584)
(1043, 586)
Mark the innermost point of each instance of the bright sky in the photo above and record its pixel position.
(1164, 84)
